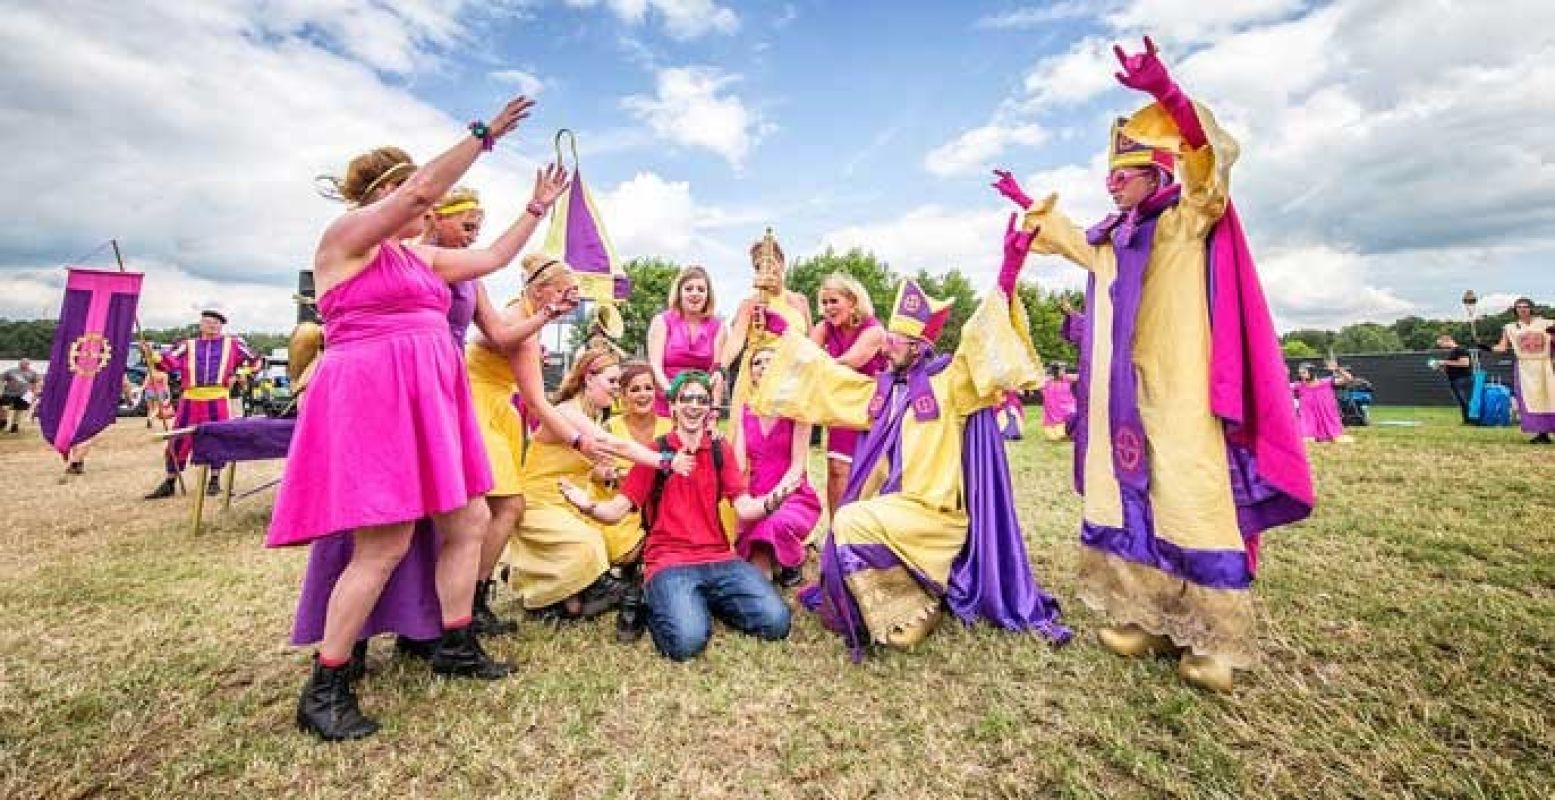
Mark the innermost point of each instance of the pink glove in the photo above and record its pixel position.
(1009, 188)
(774, 324)
(1017, 245)
(1145, 72)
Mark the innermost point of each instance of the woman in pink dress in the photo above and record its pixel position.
(686, 335)
(1318, 407)
(850, 333)
(1058, 404)
(773, 452)
(388, 435)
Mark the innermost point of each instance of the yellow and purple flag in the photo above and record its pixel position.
(577, 236)
(86, 365)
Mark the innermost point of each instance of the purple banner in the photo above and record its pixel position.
(86, 364)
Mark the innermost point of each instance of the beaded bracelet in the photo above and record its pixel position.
(536, 208)
(482, 132)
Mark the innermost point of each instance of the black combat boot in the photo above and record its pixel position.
(486, 621)
(164, 489)
(328, 708)
(459, 655)
(632, 619)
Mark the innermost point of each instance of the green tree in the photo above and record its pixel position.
(1044, 316)
(1367, 337)
(1296, 348)
(1318, 340)
(26, 338)
(651, 279)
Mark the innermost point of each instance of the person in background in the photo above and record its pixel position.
(21, 384)
(210, 364)
(1318, 409)
(1528, 336)
(1458, 369)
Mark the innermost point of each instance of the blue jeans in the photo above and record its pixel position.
(682, 602)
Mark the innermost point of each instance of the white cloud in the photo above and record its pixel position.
(1324, 287)
(169, 297)
(691, 107)
(682, 19)
(1028, 17)
(205, 174)
(931, 238)
(1187, 21)
(527, 82)
(1077, 75)
(977, 149)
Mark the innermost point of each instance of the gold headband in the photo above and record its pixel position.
(457, 207)
(388, 173)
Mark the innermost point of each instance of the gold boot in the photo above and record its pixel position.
(1131, 641)
(904, 637)
(1205, 672)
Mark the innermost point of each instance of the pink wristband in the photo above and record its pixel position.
(536, 209)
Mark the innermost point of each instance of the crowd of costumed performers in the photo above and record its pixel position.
(622, 490)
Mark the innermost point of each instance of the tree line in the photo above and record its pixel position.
(32, 338)
(1408, 334)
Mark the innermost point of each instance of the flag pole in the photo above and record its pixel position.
(140, 337)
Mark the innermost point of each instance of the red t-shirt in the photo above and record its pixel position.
(687, 529)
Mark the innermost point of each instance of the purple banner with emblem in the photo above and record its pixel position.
(86, 365)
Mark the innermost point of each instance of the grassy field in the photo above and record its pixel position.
(1408, 634)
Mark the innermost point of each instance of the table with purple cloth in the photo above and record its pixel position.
(225, 443)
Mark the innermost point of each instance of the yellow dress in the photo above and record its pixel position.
(556, 552)
(502, 431)
(624, 536)
(757, 339)
(925, 523)
(1190, 491)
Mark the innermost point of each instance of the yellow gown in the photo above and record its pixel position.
(624, 536)
(1190, 491)
(925, 523)
(502, 430)
(555, 551)
(757, 339)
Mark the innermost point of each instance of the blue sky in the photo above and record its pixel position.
(1395, 153)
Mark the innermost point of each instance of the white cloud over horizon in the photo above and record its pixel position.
(691, 107)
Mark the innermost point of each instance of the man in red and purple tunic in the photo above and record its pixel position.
(208, 364)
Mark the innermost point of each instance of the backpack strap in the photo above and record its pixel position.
(650, 511)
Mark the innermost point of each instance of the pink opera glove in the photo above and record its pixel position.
(774, 323)
(1017, 245)
(1144, 72)
(1009, 188)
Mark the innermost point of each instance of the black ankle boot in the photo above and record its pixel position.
(164, 489)
(213, 486)
(328, 708)
(415, 648)
(632, 619)
(357, 669)
(602, 595)
(789, 577)
(486, 622)
(459, 654)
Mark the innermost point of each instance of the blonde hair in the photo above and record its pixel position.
(458, 200)
(541, 269)
(593, 361)
(850, 286)
(693, 271)
(366, 173)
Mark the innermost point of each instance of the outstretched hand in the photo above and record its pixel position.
(550, 183)
(508, 118)
(1007, 186)
(1017, 242)
(1143, 71)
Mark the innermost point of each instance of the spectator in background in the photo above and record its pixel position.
(1458, 368)
(21, 386)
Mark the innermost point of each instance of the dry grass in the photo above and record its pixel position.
(1408, 651)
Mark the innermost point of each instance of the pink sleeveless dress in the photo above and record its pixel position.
(840, 442)
(387, 433)
(785, 529)
(1319, 410)
(686, 347)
